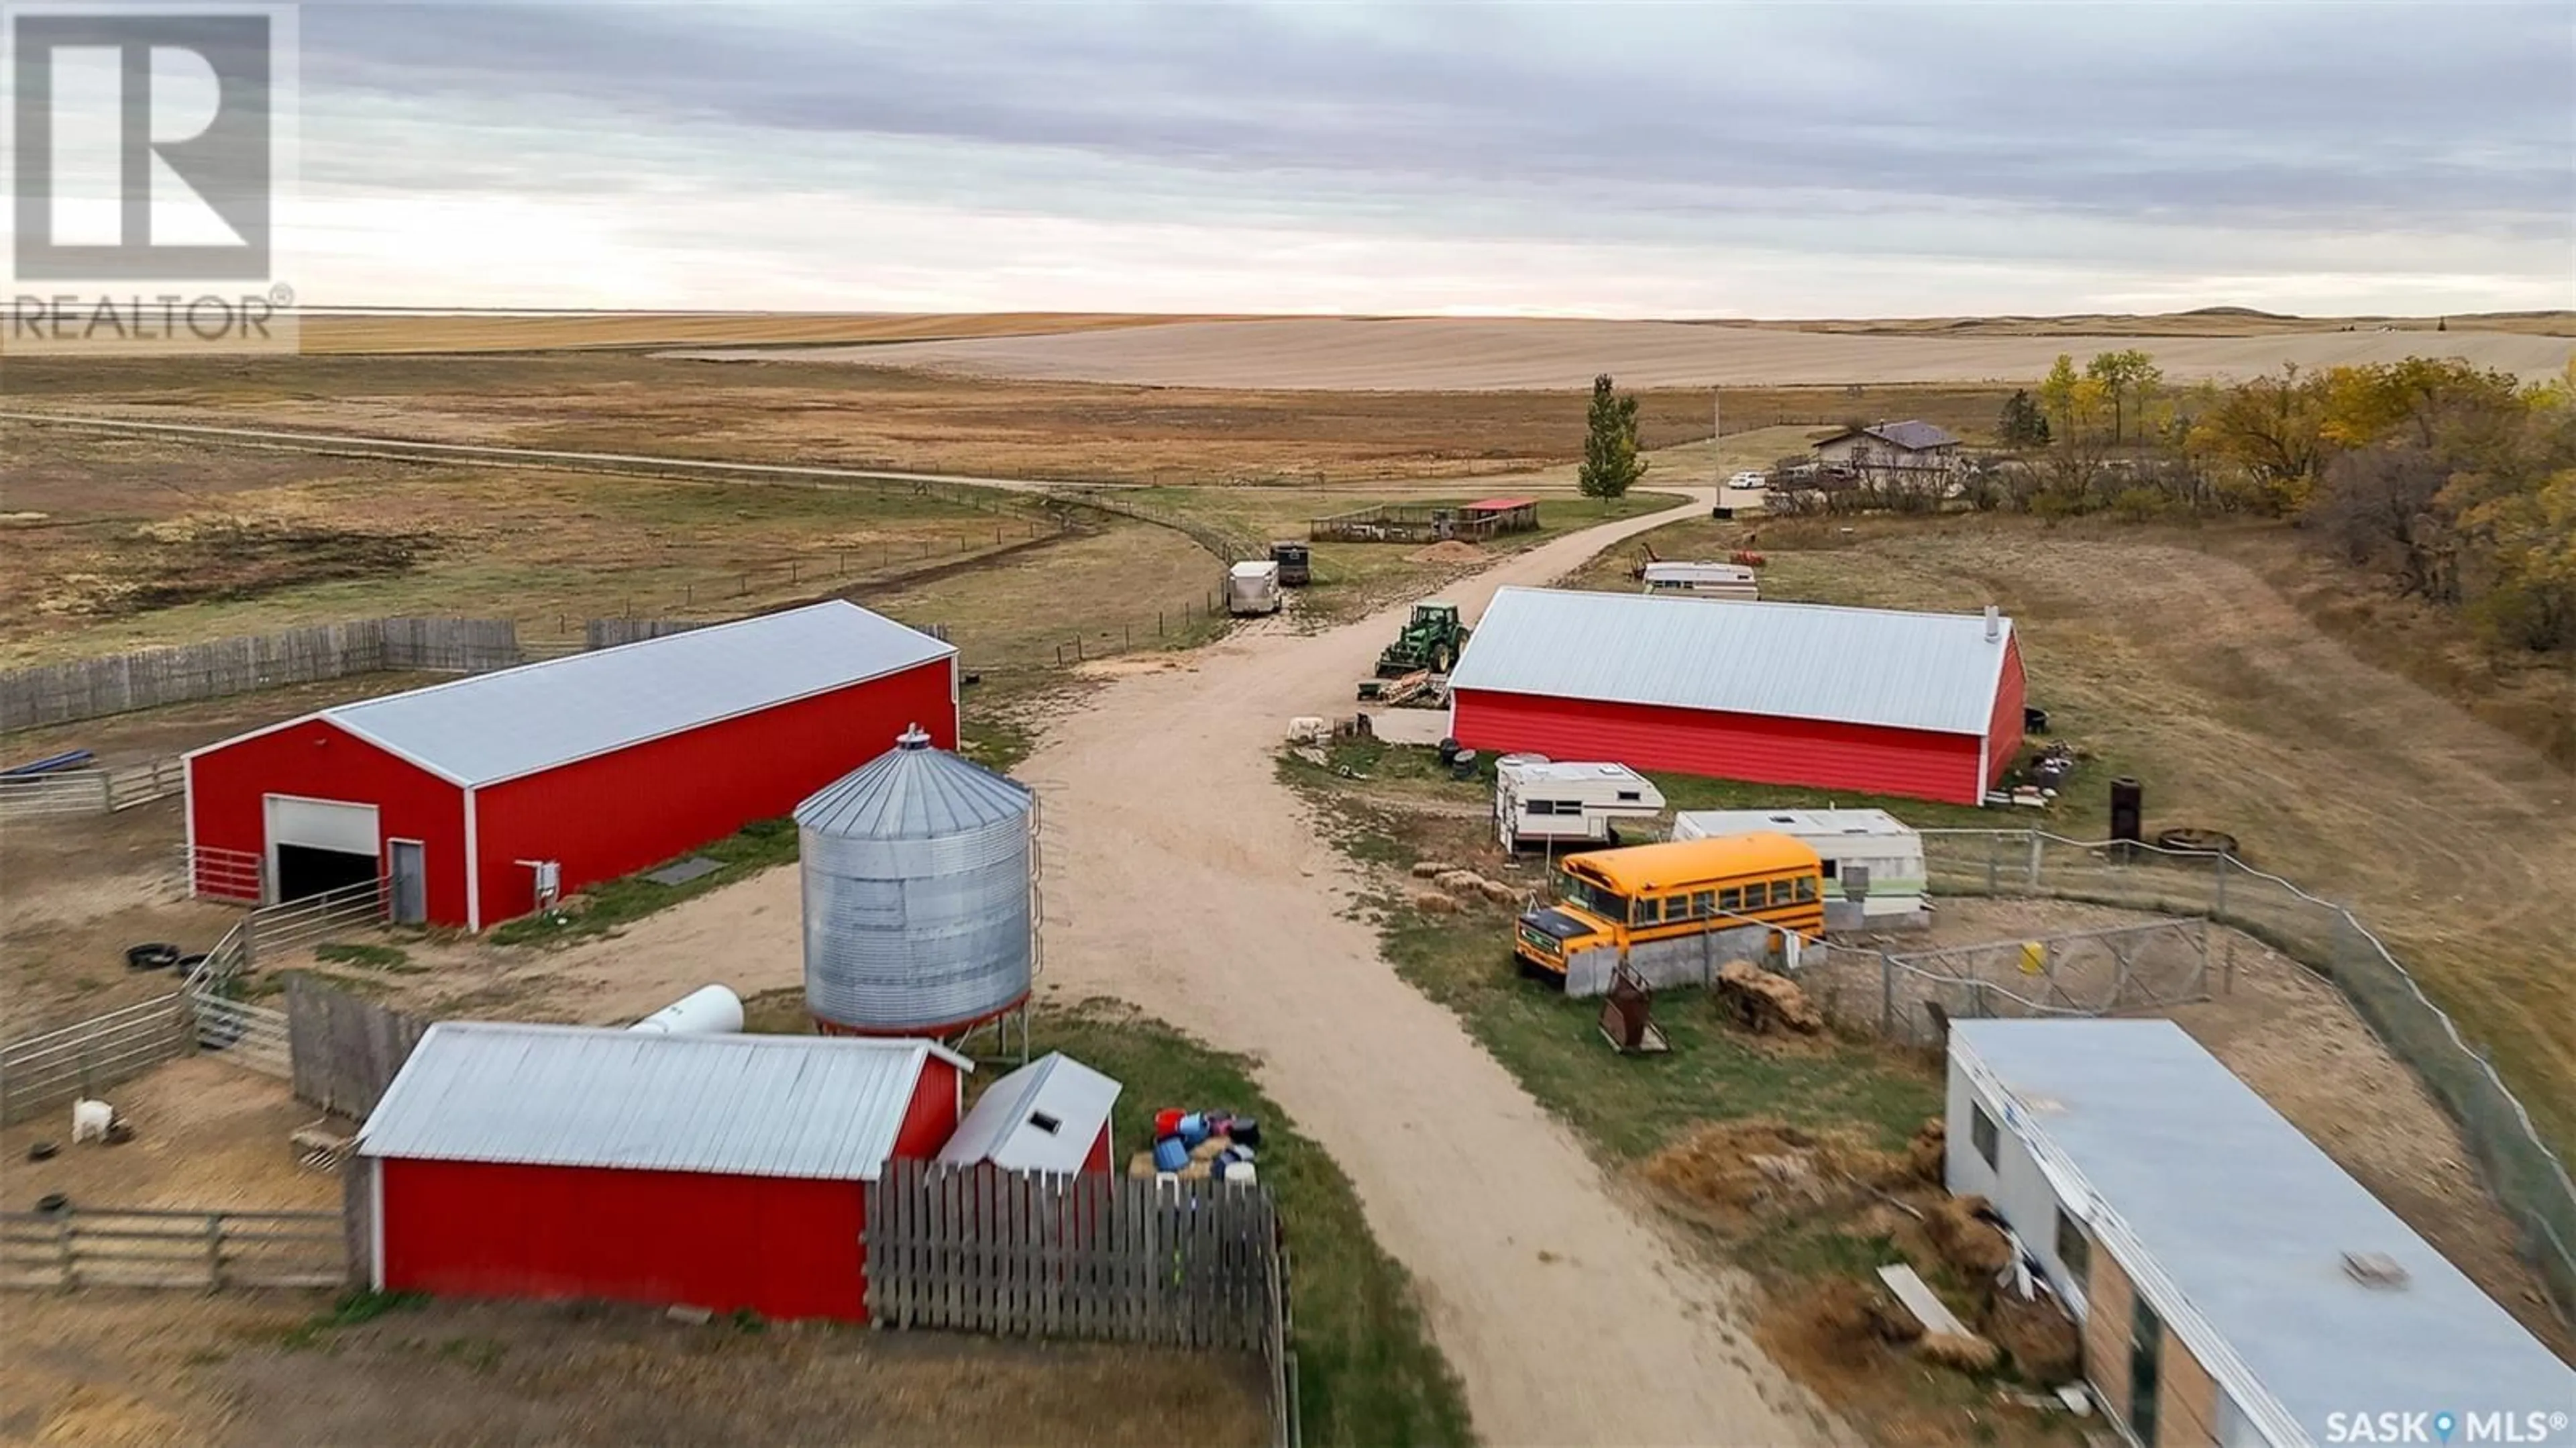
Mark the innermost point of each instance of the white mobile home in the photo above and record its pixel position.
(2233, 1285)
(1703, 580)
(1540, 803)
(1867, 839)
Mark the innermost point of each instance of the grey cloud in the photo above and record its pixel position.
(2251, 115)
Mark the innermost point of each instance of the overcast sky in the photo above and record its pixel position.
(1640, 160)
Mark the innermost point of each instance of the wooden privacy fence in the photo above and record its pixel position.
(92, 688)
(111, 1247)
(1030, 1254)
(344, 1050)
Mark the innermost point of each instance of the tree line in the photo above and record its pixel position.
(2455, 483)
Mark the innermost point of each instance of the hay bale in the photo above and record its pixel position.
(1766, 1002)
(1498, 891)
(1927, 1156)
(1735, 1172)
(1432, 902)
(1975, 1248)
(1431, 869)
(1212, 1148)
(1458, 880)
(2045, 1347)
(1971, 1354)
(1141, 1166)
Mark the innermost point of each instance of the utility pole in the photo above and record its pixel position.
(1716, 430)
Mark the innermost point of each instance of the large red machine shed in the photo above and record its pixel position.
(723, 1172)
(597, 765)
(1924, 706)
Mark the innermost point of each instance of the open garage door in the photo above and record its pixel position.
(318, 844)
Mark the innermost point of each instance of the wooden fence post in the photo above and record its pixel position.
(215, 1251)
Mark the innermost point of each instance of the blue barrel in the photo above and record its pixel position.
(1193, 1129)
(1170, 1154)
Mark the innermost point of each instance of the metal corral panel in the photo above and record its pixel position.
(502, 725)
(2234, 1227)
(917, 875)
(1044, 1116)
(583, 1096)
(1924, 671)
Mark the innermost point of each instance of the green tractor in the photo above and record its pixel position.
(1431, 641)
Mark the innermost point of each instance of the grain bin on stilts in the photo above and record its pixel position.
(920, 885)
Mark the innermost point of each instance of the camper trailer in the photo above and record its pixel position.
(1538, 803)
(1703, 580)
(1252, 588)
(1887, 852)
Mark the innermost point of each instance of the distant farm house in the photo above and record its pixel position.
(1891, 453)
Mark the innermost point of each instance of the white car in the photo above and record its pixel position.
(1747, 480)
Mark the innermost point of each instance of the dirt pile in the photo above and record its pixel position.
(1451, 550)
(2040, 1339)
(1736, 1173)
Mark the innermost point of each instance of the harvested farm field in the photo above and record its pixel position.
(1487, 354)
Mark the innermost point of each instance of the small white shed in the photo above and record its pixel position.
(1050, 1115)
(1540, 802)
(1870, 839)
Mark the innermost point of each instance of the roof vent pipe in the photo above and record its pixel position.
(914, 738)
(1994, 624)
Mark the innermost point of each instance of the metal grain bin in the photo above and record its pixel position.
(918, 893)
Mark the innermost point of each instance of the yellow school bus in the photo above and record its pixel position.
(1646, 894)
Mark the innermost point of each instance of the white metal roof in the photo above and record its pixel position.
(491, 727)
(1255, 570)
(1009, 1125)
(1928, 671)
(780, 1106)
(1798, 823)
(2246, 1222)
(913, 792)
(1569, 772)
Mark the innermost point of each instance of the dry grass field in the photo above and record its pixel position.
(2188, 669)
(1516, 353)
(2205, 322)
(841, 415)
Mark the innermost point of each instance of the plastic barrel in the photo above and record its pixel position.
(1247, 1132)
(1192, 1130)
(1241, 1171)
(1170, 1154)
(1167, 1122)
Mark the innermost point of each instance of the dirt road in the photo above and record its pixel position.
(1183, 877)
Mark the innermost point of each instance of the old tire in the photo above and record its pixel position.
(42, 1151)
(160, 955)
(2189, 840)
(52, 1202)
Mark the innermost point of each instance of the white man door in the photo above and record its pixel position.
(319, 844)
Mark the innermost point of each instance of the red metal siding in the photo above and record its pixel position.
(1759, 748)
(2003, 732)
(617, 813)
(1097, 1163)
(783, 1248)
(318, 760)
(932, 1117)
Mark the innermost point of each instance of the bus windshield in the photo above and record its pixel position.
(1594, 899)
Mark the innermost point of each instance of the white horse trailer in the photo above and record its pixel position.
(1848, 841)
(1538, 802)
(1252, 588)
(1703, 580)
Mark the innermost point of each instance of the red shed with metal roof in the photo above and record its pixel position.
(722, 1171)
(467, 797)
(1875, 701)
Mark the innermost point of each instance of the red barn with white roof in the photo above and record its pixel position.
(1875, 701)
(600, 764)
(718, 1171)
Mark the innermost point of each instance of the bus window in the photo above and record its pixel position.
(1806, 889)
(1704, 903)
(1730, 899)
(1678, 907)
(1756, 896)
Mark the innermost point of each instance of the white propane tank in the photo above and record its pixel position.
(707, 1011)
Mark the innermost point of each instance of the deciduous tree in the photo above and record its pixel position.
(1612, 463)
